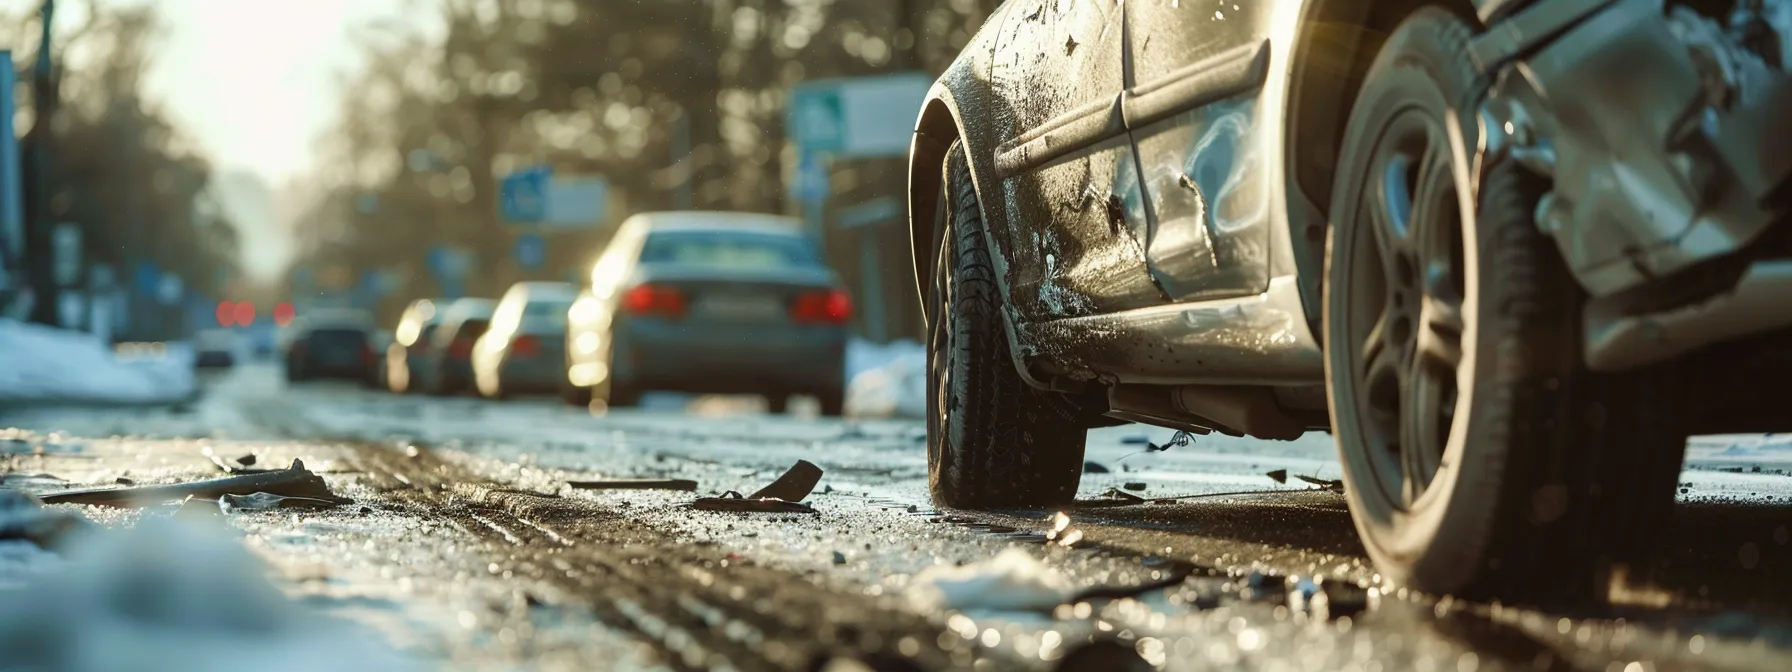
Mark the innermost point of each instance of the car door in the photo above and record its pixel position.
(1075, 213)
(1193, 111)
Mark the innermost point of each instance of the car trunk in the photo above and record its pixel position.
(337, 347)
(735, 296)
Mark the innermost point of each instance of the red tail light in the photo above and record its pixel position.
(525, 346)
(367, 354)
(654, 300)
(824, 307)
(461, 348)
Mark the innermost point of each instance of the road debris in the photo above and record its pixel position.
(262, 501)
(734, 501)
(25, 518)
(294, 481)
(1116, 496)
(1104, 655)
(1279, 475)
(237, 465)
(1013, 580)
(683, 484)
(1333, 485)
(1094, 468)
(794, 486)
(1134, 486)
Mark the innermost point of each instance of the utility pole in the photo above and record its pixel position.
(40, 255)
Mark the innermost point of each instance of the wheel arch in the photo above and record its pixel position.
(935, 130)
(1335, 43)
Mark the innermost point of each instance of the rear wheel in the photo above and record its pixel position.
(1479, 457)
(992, 439)
(777, 403)
(833, 403)
(620, 394)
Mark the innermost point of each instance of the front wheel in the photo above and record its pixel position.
(992, 439)
(1480, 458)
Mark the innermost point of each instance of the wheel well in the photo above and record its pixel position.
(1338, 41)
(934, 134)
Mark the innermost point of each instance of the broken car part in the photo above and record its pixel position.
(1662, 159)
(294, 481)
(684, 484)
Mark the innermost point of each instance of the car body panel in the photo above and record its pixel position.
(1239, 178)
(443, 369)
(410, 340)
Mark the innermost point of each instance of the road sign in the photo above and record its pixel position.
(446, 262)
(523, 195)
(531, 251)
(148, 278)
(859, 116)
(576, 202)
(170, 289)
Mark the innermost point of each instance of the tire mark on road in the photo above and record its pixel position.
(702, 607)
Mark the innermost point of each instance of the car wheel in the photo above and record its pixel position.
(621, 395)
(1480, 458)
(777, 403)
(574, 395)
(993, 440)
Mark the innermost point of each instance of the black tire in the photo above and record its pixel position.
(621, 395)
(833, 403)
(777, 403)
(1538, 473)
(574, 395)
(992, 439)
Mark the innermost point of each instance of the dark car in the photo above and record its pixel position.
(709, 302)
(410, 342)
(215, 349)
(524, 350)
(334, 344)
(447, 366)
(1509, 252)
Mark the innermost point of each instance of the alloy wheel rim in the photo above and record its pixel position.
(1405, 313)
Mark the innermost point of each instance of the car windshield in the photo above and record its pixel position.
(541, 315)
(729, 250)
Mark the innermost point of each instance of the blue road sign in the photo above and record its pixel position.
(817, 118)
(531, 251)
(523, 195)
(148, 280)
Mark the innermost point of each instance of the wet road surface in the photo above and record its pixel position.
(467, 549)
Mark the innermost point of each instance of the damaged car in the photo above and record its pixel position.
(1510, 253)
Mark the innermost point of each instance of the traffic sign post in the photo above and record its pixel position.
(523, 195)
(531, 251)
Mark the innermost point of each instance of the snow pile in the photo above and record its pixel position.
(168, 595)
(888, 380)
(58, 365)
(1014, 580)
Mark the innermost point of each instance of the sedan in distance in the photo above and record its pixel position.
(524, 350)
(709, 302)
(448, 361)
(332, 343)
(410, 342)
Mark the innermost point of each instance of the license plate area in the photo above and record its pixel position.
(740, 308)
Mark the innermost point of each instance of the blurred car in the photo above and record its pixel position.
(379, 342)
(215, 349)
(525, 348)
(1510, 253)
(410, 340)
(709, 302)
(331, 343)
(447, 366)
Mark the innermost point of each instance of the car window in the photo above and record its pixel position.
(473, 328)
(546, 314)
(337, 338)
(729, 250)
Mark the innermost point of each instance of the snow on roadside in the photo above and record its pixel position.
(166, 595)
(1013, 580)
(886, 380)
(46, 364)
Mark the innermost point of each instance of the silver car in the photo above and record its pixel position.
(525, 348)
(709, 302)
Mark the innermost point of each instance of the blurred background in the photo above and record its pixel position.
(362, 153)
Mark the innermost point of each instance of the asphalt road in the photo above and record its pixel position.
(467, 549)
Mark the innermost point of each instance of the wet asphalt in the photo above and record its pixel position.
(467, 549)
